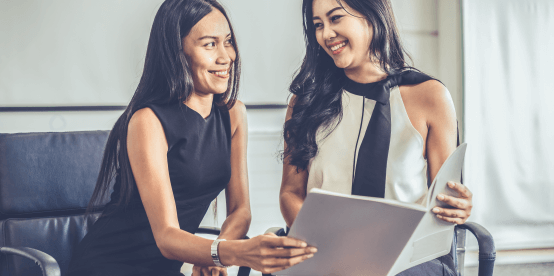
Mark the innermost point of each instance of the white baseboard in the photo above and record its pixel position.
(505, 257)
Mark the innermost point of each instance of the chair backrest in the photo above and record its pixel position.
(46, 181)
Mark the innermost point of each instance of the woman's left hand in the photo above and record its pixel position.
(209, 271)
(461, 205)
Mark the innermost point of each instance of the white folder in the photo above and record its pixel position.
(357, 235)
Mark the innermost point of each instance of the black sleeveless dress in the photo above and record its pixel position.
(122, 243)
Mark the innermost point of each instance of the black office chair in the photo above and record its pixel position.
(46, 181)
(487, 253)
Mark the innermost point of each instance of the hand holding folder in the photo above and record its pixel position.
(358, 235)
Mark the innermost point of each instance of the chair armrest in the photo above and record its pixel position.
(47, 263)
(487, 252)
(243, 271)
(208, 230)
(279, 231)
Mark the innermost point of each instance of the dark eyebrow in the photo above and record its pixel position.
(328, 13)
(208, 36)
(212, 37)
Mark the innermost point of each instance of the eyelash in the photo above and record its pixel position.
(333, 19)
(336, 17)
(212, 44)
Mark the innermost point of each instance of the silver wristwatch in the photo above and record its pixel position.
(215, 252)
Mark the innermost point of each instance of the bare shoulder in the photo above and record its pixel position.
(430, 97)
(429, 93)
(238, 110)
(144, 117)
(238, 116)
(145, 124)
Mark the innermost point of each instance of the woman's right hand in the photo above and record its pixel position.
(267, 253)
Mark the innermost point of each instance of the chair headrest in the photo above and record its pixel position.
(48, 172)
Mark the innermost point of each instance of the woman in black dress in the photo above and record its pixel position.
(179, 143)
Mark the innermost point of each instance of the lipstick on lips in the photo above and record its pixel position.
(221, 73)
(337, 47)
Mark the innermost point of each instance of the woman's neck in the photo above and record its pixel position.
(201, 103)
(366, 73)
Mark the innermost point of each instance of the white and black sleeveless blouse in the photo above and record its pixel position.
(332, 168)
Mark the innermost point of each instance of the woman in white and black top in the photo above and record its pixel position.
(361, 121)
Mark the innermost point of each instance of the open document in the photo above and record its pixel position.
(368, 236)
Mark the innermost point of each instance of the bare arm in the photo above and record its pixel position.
(147, 149)
(440, 118)
(238, 204)
(441, 142)
(293, 184)
(432, 113)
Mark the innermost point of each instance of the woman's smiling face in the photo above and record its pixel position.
(345, 36)
(210, 53)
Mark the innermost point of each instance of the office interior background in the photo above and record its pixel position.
(72, 65)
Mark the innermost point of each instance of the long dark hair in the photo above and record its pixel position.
(318, 82)
(166, 79)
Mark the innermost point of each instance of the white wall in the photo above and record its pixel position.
(270, 39)
(67, 52)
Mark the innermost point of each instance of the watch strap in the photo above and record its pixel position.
(215, 252)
